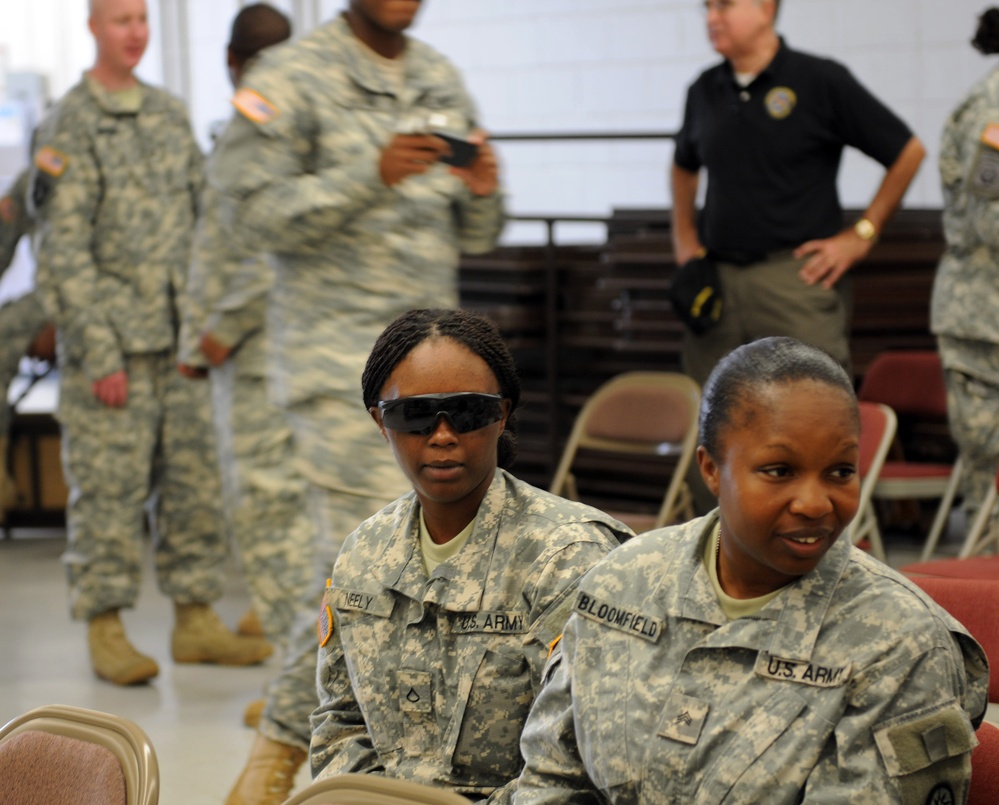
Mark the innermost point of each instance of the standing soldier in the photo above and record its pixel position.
(116, 179)
(24, 327)
(332, 166)
(224, 328)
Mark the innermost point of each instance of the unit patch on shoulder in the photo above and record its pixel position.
(990, 136)
(254, 106)
(52, 162)
(984, 178)
(324, 626)
(8, 210)
(780, 102)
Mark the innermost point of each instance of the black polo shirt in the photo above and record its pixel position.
(772, 150)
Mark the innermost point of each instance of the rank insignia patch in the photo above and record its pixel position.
(780, 102)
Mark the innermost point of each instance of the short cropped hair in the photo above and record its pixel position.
(746, 370)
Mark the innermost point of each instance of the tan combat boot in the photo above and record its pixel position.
(251, 715)
(199, 636)
(269, 774)
(113, 657)
(249, 625)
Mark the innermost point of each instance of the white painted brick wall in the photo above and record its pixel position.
(562, 65)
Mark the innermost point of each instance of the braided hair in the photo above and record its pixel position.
(747, 369)
(987, 36)
(477, 334)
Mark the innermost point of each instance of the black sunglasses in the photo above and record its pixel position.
(466, 411)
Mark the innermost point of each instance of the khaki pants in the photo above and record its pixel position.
(769, 298)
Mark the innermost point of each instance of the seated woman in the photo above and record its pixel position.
(751, 655)
(438, 619)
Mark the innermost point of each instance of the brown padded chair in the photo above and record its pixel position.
(877, 431)
(639, 414)
(64, 755)
(373, 789)
(911, 382)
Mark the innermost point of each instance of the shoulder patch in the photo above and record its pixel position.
(254, 106)
(8, 210)
(50, 161)
(990, 136)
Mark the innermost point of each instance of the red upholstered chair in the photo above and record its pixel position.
(985, 767)
(911, 382)
(62, 755)
(975, 604)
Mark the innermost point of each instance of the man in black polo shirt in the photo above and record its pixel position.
(769, 125)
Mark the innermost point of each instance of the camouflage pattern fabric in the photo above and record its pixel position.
(850, 686)
(971, 373)
(297, 168)
(116, 461)
(291, 695)
(966, 288)
(20, 321)
(22, 318)
(15, 222)
(115, 184)
(431, 679)
(300, 180)
(265, 496)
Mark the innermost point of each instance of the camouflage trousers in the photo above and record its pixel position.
(292, 695)
(971, 371)
(151, 463)
(20, 322)
(352, 474)
(266, 497)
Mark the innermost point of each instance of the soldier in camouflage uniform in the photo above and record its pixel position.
(966, 289)
(116, 179)
(23, 321)
(754, 655)
(223, 327)
(329, 166)
(438, 619)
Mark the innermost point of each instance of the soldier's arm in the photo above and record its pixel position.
(273, 201)
(14, 219)
(905, 735)
(340, 739)
(554, 773)
(65, 190)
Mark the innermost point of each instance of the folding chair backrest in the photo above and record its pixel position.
(910, 381)
(373, 789)
(88, 757)
(640, 414)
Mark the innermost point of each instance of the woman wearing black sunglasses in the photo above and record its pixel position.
(438, 619)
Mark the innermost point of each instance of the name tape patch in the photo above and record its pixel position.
(805, 673)
(629, 621)
(379, 604)
(492, 622)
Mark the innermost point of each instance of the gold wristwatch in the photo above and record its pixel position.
(865, 229)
